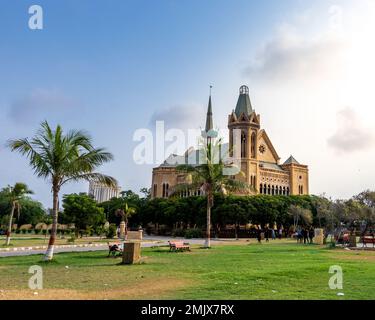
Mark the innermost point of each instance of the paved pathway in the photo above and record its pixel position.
(150, 241)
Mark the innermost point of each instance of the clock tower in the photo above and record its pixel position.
(244, 126)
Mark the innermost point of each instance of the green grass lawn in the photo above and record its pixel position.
(246, 271)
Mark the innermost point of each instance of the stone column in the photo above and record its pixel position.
(318, 236)
(131, 253)
(122, 230)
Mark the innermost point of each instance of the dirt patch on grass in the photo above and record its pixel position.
(143, 289)
(353, 255)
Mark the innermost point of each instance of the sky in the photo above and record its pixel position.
(114, 67)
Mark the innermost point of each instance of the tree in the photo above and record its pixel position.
(125, 212)
(146, 193)
(367, 199)
(300, 214)
(210, 178)
(322, 206)
(15, 194)
(62, 158)
(111, 206)
(32, 212)
(83, 211)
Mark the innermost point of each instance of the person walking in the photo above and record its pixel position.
(266, 234)
(305, 235)
(273, 234)
(311, 234)
(280, 233)
(299, 236)
(259, 235)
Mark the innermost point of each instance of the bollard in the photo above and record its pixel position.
(131, 253)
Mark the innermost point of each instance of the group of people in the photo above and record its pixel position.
(305, 234)
(269, 233)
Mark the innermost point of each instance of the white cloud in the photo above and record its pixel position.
(41, 104)
(180, 117)
(293, 55)
(350, 135)
(302, 76)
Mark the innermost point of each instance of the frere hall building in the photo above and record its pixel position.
(260, 163)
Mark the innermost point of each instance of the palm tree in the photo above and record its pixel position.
(16, 193)
(209, 176)
(62, 158)
(125, 212)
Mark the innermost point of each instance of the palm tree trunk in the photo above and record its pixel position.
(208, 232)
(7, 241)
(51, 244)
(126, 229)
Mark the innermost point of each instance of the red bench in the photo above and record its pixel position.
(366, 240)
(178, 246)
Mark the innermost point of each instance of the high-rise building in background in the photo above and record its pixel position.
(102, 193)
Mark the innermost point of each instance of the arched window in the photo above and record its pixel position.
(163, 195)
(167, 190)
(261, 188)
(243, 144)
(253, 181)
(283, 191)
(287, 191)
(253, 144)
(269, 189)
(273, 190)
(277, 190)
(265, 189)
(155, 190)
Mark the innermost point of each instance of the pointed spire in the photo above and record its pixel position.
(209, 119)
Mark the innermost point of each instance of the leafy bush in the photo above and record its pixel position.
(17, 231)
(72, 238)
(37, 231)
(24, 231)
(163, 230)
(99, 230)
(178, 233)
(44, 231)
(88, 231)
(332, 245)
(111, 232)
(193, 233)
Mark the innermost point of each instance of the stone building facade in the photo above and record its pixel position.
(260, 163)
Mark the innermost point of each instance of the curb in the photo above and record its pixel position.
(56, 246)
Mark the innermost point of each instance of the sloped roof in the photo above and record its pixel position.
(269, 165)
(243, 102)
(291, 160)
(191, 157)
(264, 135)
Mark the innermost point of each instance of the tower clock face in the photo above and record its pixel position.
(262, 148)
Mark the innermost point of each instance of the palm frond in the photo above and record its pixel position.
(94, 177)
